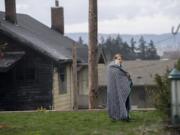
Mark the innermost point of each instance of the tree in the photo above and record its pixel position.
(102, 40)
(142, 47)
(161, 96)
(133, 42)
(92, 54)
(80, 41)
(116, 45)
(130, 52)
(119, 40)
(178, 65)
(126, 51)
(151, 52)
(152, 47)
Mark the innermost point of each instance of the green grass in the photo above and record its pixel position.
(79, 123)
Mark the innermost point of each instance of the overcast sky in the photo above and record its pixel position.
(115, 16)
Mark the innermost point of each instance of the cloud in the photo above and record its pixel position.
(131, 9)
(113, 15)
(141, 25)
(23, 7)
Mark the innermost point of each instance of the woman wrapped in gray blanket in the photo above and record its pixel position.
(118, 90)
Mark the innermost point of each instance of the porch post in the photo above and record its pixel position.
(75, 90)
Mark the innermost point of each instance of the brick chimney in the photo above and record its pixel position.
(10, 11)
(57, 18)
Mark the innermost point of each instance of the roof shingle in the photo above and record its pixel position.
(38, 36)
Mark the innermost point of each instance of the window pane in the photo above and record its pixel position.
(62, 80)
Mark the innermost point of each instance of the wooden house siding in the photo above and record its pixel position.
(140, 98)
(83, 85)
(18, 92)
(62, 101)
(83, 81)
(23, 94)
(43, 51)
(38, 92)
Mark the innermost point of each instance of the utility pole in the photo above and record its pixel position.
(174, 33)
(92, 53)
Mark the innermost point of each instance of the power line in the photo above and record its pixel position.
(158, 42)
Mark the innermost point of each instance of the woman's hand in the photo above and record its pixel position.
(128, 75)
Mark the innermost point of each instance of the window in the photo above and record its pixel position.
(62, 80)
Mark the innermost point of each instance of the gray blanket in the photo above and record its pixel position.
(118, 90)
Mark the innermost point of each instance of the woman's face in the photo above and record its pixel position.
(119, 60)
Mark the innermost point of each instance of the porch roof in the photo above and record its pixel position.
(9, 60)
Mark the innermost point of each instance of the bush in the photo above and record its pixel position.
(41, 109)
(178, 65)
(162, 96)
(162, 99)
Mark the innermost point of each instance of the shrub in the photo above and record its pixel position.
(178, 65)
(162, 99)
(162, 96)
(41, 109)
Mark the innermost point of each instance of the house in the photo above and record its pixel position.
(36, 65)
(143, 73)
(171, 54)
(83, 75)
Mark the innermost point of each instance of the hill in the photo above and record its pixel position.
(163, 42)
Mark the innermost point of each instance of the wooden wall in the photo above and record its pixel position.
(140, 97)
(22, 94)
(62, 102)
(83, 81)
(83, 85)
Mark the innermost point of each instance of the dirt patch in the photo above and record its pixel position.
(3, 126)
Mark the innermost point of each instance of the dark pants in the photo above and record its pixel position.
(128, 107)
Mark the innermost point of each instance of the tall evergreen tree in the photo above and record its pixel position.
(142, 47)
(119, 40)
(178, 65)
(130, 52)
(80, 40)
(133, 42)
(126, 51)
(151, 52)
(102, 40)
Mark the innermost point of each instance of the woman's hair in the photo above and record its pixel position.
(117, 55)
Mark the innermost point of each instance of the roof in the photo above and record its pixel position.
(171, 54)
(9, 60)
(142, 71)
(82, 53)
(174, 74)
(38, 36)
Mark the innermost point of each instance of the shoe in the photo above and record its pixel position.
(126, 119)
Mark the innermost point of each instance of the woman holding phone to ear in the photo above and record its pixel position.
(118, 90)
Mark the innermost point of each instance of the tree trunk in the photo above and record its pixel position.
(92, 53)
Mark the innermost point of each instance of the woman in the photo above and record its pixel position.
(118, 90)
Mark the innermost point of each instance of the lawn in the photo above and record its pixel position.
(79, 123)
